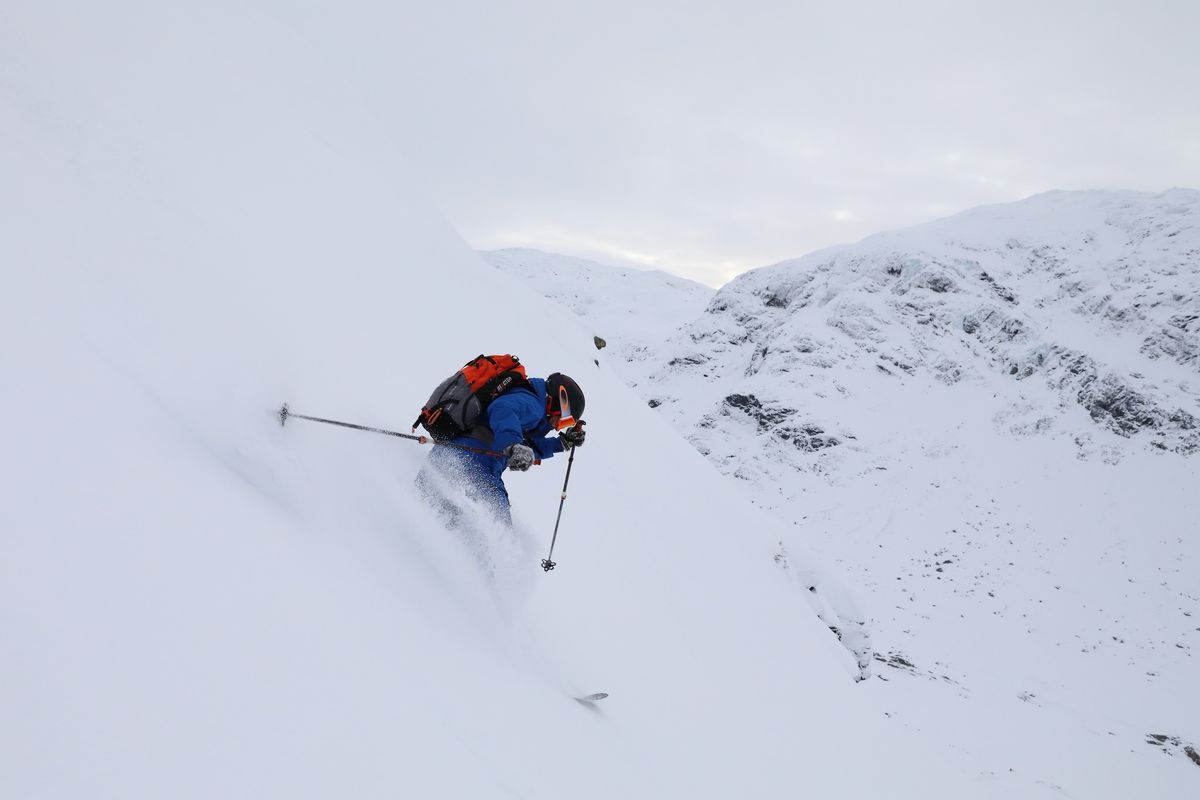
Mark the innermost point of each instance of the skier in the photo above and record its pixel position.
(519, 428)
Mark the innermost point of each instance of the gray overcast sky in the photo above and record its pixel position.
(712, 137)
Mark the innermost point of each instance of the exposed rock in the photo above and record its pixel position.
(1174, 745)
(778, 422)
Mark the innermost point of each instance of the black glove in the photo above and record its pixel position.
(520, 457)
(572, 437)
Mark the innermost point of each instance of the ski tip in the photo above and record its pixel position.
(592, 698)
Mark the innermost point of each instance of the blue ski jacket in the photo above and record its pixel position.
(519, 416)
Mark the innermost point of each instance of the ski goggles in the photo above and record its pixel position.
(562, 420)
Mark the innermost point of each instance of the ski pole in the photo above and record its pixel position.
(547, 564)
(285, 414)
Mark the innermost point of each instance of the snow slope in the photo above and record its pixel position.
(202, 218)
(989, 422)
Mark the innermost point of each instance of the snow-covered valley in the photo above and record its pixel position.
(988, 425)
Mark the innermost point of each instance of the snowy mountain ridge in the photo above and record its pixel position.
(1083, 302)
(632, 308)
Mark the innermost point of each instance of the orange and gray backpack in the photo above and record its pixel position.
(458, 403)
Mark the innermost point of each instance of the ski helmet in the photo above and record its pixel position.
(556, 386)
